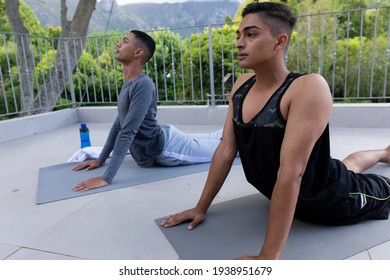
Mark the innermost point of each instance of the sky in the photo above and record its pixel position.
(123, 2)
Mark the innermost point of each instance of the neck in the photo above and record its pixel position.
(131, 72)
(267, 77)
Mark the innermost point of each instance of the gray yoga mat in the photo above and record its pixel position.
(56, 182)
(237, 227)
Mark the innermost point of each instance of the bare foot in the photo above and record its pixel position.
(386, 157)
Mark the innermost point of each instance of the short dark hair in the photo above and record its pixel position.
(276, 15)
(147, 41)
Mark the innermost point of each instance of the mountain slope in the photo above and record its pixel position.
(147, 16)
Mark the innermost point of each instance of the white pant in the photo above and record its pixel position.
(185, 149)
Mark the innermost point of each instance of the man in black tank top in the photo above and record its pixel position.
(278, 122)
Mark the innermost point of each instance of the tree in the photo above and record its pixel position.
(23, 53)
(165, 67)
(69, 49)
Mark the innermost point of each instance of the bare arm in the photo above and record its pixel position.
(220, 166)
(307, 115)
(219, 169)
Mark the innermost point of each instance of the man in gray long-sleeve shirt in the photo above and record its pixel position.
(136, 129)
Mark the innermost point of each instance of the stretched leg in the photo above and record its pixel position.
(216, 135)
(184, 149)
(360, 161)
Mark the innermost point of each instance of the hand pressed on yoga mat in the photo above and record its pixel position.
(92, 183)
(195, 215)
(88, 165)
(89, 184)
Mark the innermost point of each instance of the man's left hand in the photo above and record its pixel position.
(89, 184)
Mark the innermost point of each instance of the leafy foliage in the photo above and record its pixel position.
(326, 43)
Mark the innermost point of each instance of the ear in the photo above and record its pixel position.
(281, 42)
(139, 52)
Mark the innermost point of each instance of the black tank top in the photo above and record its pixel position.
(329, 192)
(259, 142)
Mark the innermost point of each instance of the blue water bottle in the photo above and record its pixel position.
(84, 136)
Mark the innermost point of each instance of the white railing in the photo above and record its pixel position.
(193, 65)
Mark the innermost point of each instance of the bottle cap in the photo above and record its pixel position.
(83, 125)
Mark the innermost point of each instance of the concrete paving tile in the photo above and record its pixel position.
(22, 219)
(380, 252)
(361, 256)
(118, 225)
(31, 254)
(7, 250)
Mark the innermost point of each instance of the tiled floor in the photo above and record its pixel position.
(116, 224)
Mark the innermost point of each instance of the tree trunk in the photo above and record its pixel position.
(24, 56)
(70, 47)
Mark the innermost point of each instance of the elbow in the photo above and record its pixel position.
(291, 174)
(226, 151)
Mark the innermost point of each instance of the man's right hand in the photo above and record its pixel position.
(194, 215)
(87, 165)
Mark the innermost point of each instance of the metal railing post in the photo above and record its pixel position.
(352, 55)
(69, 72)
(211, 63)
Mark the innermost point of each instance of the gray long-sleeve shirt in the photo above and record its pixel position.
(135, 127)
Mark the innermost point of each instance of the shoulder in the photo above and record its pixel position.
(310, 86)
(311, 82)
(307, 93)
(244, 77)
(143, 84)
(144, 80)
(241, 80)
